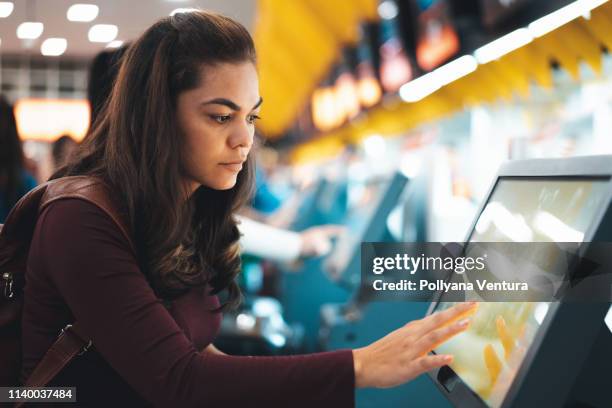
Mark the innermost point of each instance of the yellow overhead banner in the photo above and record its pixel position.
(297, 42)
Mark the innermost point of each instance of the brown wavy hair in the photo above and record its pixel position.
(135, 146)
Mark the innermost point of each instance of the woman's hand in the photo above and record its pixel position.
(402, 355)
(317, 241)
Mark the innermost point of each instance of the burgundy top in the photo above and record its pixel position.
(81, 267)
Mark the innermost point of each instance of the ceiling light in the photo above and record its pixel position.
(53, 47)
(82, 12)
(593, 4)
(29, 30)
(114, 44)
(503, 45)
(419, 88)
(456, 69)
(563, 16)
(102, 33)
(388, 10)
(557, 18)
(427, 84)
(6, 8)
(183, 10)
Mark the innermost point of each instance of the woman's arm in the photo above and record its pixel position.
(89, 261)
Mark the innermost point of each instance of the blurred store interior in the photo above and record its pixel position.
(392, 113)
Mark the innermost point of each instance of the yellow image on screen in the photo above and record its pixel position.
(489, 353)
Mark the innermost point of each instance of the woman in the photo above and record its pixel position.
(15, 181)
(173, 145)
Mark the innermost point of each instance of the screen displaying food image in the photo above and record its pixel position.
(488, 355)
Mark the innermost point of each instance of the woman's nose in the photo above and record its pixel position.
(242, 137)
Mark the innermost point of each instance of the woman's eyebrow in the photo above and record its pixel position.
(259, 102)
(230, 104)
(222, 101)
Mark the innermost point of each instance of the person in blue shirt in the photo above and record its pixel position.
(264, 200)
(15, 181)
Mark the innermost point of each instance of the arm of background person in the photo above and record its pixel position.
(282, 245)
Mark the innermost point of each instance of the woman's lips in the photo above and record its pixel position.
(234, 167)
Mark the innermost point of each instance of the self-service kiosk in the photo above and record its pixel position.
(359, 321)
(335, 278)
(562, 354)
(302, 292)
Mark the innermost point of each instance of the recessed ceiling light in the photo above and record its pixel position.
(53, 47)
(114, 44)
(82, 12)
(103, 33)
(6, 8)
(182, 10)
(29, 30)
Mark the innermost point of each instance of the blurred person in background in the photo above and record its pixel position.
(102, 73)
(61, 150)
(15, 180)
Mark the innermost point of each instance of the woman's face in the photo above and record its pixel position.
(217, 120)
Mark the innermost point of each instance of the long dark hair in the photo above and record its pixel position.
(136, 146)
(11, 153)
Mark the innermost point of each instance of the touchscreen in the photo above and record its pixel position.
(489, 354)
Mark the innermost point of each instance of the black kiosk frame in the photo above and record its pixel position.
(569, 363)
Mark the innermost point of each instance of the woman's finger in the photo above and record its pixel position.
(434, 338)
(430, 362)
(446, 317)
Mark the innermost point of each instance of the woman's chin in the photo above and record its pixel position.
(224, 184)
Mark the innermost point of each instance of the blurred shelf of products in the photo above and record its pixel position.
(510, 69)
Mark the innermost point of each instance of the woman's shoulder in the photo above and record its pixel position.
(87, 198)
(77, 219)
(75, 207)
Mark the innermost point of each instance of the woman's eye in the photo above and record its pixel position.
(221, 118)
(253, 118)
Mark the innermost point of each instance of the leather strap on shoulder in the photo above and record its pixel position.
(90, 189)
(70, 343)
